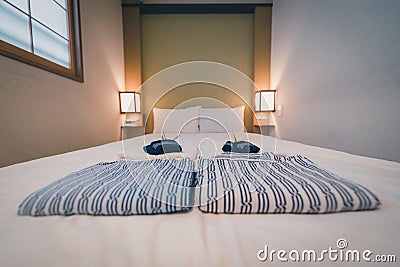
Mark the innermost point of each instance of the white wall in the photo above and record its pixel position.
(44, 114)
(336, 65)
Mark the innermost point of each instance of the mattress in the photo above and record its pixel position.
(195, 238)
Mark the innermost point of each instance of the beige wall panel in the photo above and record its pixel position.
(132, 48)
(262, 60)
(173, 39)
(262, 47)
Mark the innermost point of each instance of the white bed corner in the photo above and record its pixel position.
(193, 238)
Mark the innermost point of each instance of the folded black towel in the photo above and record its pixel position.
(162, 146)
(240, 147)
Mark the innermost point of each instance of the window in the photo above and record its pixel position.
(43, 33)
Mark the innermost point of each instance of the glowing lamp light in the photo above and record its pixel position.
(129, 102)
(264, 101)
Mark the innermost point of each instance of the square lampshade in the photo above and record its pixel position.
(129, 102)
(264, 101)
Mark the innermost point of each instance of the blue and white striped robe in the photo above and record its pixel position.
(228, 183)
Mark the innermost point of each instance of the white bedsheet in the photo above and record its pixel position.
(194, 238)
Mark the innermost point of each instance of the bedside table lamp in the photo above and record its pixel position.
(264, 101)
(264, 104)
(129, 102)
(130, 105)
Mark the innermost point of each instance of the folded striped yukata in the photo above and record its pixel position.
(267, 183)
(118, 188)
(228, 183)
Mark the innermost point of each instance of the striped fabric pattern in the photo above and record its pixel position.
(268, 183)
(228, 183)
(118, 188)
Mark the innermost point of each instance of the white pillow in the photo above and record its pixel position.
(176, 120)
(221, 120)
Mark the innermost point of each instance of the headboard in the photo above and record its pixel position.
(210, 96)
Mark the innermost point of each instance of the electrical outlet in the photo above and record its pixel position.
(280, 110)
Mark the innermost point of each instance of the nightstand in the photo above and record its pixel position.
(264, 124)
(265, 130)
(131, 131)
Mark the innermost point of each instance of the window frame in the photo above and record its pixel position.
(75, 72)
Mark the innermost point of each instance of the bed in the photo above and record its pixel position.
(193, 238)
